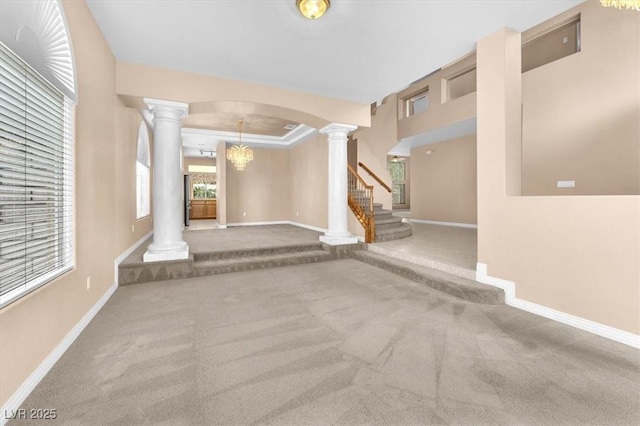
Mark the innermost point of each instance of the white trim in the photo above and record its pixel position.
(52, 56)
(596, 328)
(193, 137)
(275, 222)
(34, 379)
(338, 241)
(126, 253)
(313, 228)
(338, 127)
(509, 287)
(435, 222)
(181, 107)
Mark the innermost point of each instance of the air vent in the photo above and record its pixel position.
(290, 126)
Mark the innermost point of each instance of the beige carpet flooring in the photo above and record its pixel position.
(338, 342)
(447, 244)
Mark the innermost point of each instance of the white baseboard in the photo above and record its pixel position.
(13, 404)
(313, 228)
(127, 252)
(275, 222)
(596, 328)
(435, 222)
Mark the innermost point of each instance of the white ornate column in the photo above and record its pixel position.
(167, 182)
(338, 232)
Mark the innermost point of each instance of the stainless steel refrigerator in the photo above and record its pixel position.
(187, 199)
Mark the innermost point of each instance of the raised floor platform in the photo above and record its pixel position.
(220, 251)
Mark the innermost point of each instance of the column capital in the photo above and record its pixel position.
(181, 109)
(338, 128)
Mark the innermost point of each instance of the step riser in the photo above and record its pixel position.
(382, 215)
(391, 222)
(198, 257)
(393, 236)
(162, 271)
(489, 296)
(256, 265)
(154, 271)
(391, 225)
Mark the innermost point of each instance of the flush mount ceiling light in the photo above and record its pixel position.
(239, 154)
(622, 4)
(395, 159)
(313, 9)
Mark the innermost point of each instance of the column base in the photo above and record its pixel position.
(160, 252)
(334, 240)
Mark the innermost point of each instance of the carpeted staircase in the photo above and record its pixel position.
(389, 227)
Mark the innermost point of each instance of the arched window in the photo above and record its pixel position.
(143, 173)
(37, 101)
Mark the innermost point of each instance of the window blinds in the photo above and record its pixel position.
(36, 179)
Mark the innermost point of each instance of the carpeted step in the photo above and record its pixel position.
(402, 230)
(249, 263)
(141, 272)
(455, 286)
(392, 222)
(382, 214)
(219, 262)
(257, 251)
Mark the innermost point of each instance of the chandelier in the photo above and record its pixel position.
(622, 4)
(239, 154)
(313, 9)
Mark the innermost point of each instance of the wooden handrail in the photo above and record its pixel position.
(373, 175)
(357, 176)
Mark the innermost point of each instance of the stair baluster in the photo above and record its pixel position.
(360, 200)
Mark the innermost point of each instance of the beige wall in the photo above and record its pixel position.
(373, 145)
(209, 94)
(261, 190)
(281, 185)
(309, 162)
(577, 255)
(221, 186)
(581, 113)
(549, 46)
(197, 161)
(440, 112)
(443, 183)
(106, 134)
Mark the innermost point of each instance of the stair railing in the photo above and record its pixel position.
(360, 200)
(375, 176)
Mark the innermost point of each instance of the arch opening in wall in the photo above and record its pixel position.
(143, 173)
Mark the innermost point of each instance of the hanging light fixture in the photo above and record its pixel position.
(239, 154)
(313, 9)
(622, 4)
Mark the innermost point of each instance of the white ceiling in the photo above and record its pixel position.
(361, 50)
